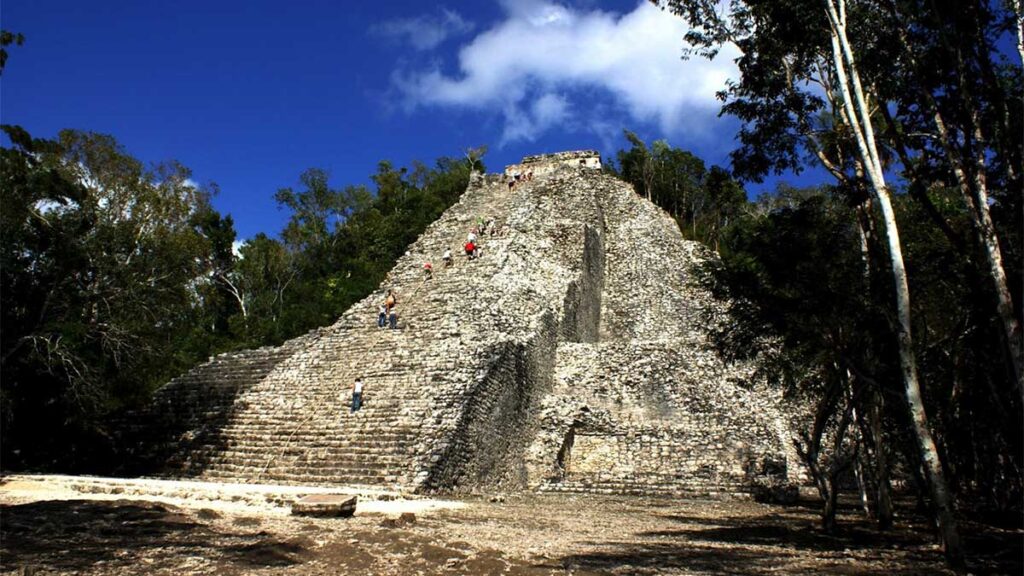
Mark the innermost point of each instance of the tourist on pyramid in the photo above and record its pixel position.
(382, 316)
(447, 258)
(393, 319)
(471, 237)
(428, 271)
(470, 248)
(390, 300)
(357, 394)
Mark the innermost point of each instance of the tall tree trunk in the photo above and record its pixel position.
(1019, 20)
(858, 418)
(862, 481)
(971, 179)
(883, 487)
(810, 451)
(883, 498)
(859, 121)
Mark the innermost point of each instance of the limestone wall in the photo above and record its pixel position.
(656, 415)
(545, 164)
(649, 406)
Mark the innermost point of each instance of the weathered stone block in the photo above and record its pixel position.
(327, 505)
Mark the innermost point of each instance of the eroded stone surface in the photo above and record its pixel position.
(325, 505)
(571, 356)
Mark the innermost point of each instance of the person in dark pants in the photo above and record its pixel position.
(393, 319)
(357, 394)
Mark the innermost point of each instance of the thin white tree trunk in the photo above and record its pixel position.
(237, 293)
(859, 120)
(990, 241)
(1018, 17)
(974, 191)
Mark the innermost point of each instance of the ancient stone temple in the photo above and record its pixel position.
(572, 355)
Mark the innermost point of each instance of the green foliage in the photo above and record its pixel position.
(810, 297)
(968, 388)
(6, 39)
(702, 201)
(798, 273)
(99, 259)
(947, 116)
(336, 247)
(116, 277)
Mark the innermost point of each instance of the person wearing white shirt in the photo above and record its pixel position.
(357, 394)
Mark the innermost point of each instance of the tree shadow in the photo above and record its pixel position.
(765, 544)
(668, 556)
(182, 427)
(78, 535)
(791, 531)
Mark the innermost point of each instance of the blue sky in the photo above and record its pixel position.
(249, 94)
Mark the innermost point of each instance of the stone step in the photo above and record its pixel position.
(310, 479)
(318, 438)
(335, 468)
(241, 454)
(650, 488)
(366, 452)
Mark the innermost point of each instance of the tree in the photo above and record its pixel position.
(726, 199)
(263, 279)
(782, 118)
(858, 119)
(701, 201)
(6, 39)
(474, 158)
(315, 212)
(99, 259)
(947, 87)
(221, 297)
(637, 165)
(799, 300)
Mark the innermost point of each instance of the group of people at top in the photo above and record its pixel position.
(518, 176)
(472, 246)
(387, 317)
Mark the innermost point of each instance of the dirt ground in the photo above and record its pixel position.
(51, 533)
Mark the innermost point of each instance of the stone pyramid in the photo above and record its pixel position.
(571, 356)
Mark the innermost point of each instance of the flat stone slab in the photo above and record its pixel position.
(329, 505)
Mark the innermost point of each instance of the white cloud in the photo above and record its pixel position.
(427, 31)
(544, 112)
(236, 248)
(531, 64)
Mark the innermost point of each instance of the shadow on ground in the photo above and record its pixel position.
(137, 537)
(784, 543)
(80, 535)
